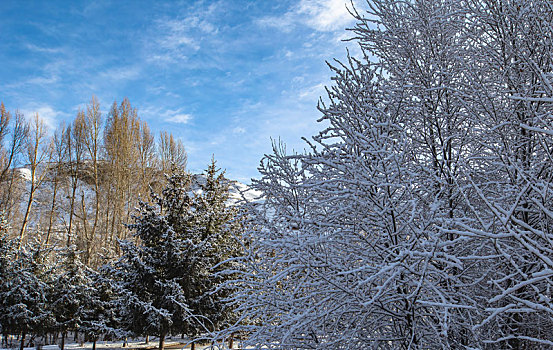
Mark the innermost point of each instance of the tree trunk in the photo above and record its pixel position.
(52, 210)
(161, 340)
(22, 344)
(193, 346)
(62, 341)
(231, 342)
(71, 210)
(94, 343)
(27, 211)
(147, 341)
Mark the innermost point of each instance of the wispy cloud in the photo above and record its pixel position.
(223, 75)
(177, 116)
(43, 80)
(325, 15)
(320, 15)
(42, 49)
(46, 113)
(175, 39)
(312, 93)
(123, 73)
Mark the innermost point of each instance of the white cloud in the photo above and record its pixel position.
(325, 15)
(284, 23)
(175, 39)
(168, 115)
(176, 35)
(179, 118)
(320, 15)
(36, 48)
(122, 73)
(46, 113)
(312, 93)
(43, 80)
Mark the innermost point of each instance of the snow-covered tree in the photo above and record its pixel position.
(7, 255)
(25, 292)
(421, 216)
(72, 292)
(512, 177)
(168, 280)
(100, 316)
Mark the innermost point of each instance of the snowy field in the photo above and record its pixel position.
(133, 344)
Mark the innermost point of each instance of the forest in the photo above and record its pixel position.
(105, 234)
(419, 217)
(80, 183)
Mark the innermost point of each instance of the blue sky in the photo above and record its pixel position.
(224, 76)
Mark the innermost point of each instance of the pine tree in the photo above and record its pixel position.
(7, 256)
(72, 292)
(26, 293)
(168, 280)
(214, 230)
(100, 316)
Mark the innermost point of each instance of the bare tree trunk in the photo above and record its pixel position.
(52, 210)
(62, 340)
(88, 238)
(27, 211)
(22, 344)
(35, 156)
(162, 340)
(71, 211)
(92, 125)
(18, 136)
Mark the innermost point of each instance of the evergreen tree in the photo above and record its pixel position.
(26, 292)
(100, 316)
(214, 229)
(168, 281)
(72, 292)
(7, 250)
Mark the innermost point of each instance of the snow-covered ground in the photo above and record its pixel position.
(175, 343)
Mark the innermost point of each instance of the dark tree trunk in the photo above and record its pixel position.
(22, 344)
(161, 340)
(62, 341)
(193, 346)
(94, 343)
(147, 339)
(231, 342)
